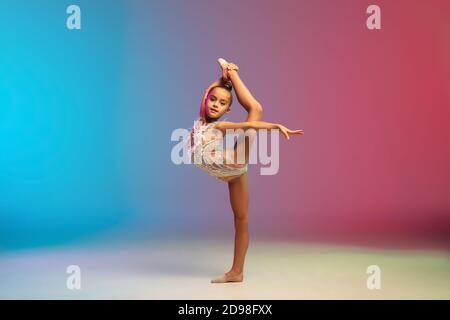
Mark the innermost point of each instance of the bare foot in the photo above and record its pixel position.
(223, 64)
(229, 277)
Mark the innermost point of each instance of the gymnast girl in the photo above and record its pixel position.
(230, 165)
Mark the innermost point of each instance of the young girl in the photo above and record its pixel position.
(224, 164)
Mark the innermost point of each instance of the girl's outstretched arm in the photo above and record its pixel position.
(224, 125)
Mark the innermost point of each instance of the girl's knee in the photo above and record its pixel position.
(255, 113)
(241, 218)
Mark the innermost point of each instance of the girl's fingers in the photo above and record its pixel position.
(232, 66)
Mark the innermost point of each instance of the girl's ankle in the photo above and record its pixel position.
(235, 272)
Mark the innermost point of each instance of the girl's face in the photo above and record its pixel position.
(218, 103)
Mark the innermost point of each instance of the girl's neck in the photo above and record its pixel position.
(209, 120)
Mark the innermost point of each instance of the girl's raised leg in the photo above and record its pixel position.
(251, 105)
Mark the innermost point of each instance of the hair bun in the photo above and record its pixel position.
(227, 84)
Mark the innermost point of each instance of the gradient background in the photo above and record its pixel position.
(86, 118)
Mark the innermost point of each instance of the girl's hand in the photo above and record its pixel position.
(287, 131)
(232, 66)
(226, 69)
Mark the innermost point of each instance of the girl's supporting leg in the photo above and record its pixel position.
(238, 189)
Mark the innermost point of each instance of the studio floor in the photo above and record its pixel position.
(183, 269)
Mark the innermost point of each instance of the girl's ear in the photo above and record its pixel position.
(228, 110)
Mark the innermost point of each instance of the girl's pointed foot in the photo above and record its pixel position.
(223, 64)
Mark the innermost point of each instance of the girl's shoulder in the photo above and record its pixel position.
(203, 124)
